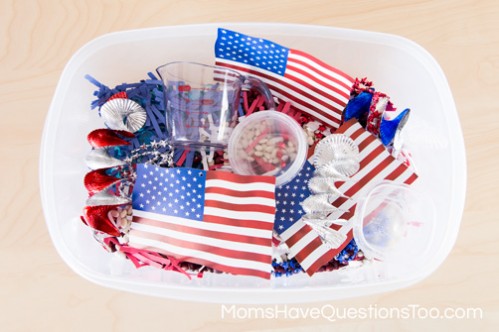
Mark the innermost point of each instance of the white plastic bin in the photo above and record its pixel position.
(398, 67)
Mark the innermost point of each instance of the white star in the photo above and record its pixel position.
(141, 206)
(281, 227)
(282, 218)
(175, 211)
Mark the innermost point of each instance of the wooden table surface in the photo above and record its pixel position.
(38, 292)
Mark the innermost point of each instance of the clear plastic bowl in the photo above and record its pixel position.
(268, 143)
(394, 224)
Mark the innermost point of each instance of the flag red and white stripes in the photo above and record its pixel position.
(376, 165)
(233, 233)
(308, 83)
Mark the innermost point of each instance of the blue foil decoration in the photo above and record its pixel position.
(388, 128)
(358, 108)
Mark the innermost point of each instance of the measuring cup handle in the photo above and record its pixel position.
(264, 90)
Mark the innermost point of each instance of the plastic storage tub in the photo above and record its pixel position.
(399, 67)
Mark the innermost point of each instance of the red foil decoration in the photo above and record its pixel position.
(121, 94)
(101, 138)
(98, 180)
(99, 218)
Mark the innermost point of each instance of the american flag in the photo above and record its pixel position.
(289, 197)
(376, 165)
(310, 85)
(213, 218)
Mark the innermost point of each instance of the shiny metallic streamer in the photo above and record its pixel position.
(123, 114)
(104, 198)
(330, 237)
(99, 158)
(335, 154)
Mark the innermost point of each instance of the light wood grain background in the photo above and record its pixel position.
(38, 292)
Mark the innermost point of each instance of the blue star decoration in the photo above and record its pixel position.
(289, 197)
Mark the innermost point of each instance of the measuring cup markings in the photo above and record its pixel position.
(203, 101)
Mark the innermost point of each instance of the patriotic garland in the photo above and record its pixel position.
(136, 136)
